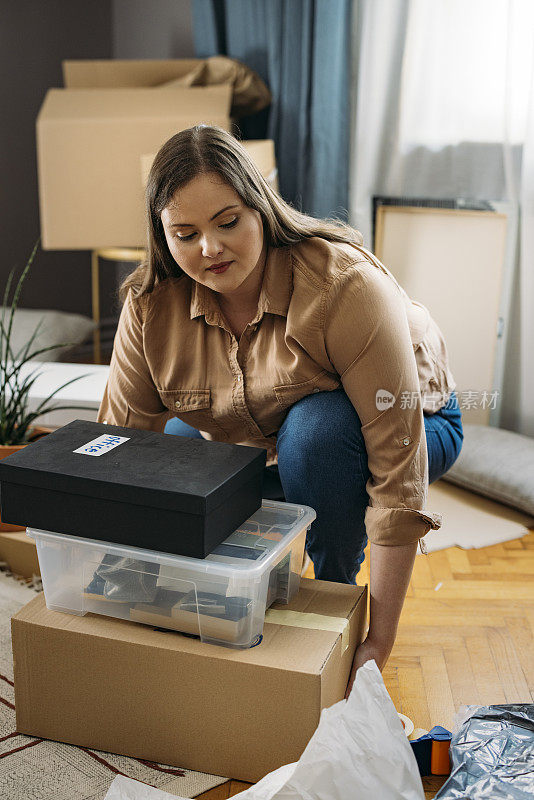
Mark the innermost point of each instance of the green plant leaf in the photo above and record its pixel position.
(15, 418)
(22, 438)
(18, 290)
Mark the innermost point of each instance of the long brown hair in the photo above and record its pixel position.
(205, 149)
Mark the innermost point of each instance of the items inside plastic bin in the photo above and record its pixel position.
(124, 580)
(210, 615)
(221, 598)
(151, 590)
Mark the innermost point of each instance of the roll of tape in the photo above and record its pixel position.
(406, 723)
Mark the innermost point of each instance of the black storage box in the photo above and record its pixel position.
(140, 488)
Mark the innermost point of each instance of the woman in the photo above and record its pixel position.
(255, 324)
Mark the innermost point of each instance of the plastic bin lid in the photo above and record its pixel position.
(267, 531)
(250, 548)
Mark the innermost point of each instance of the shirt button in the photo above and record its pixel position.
(177, 404)
(239, 378)
(406, 441)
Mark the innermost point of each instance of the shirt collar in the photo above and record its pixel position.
(275, 291)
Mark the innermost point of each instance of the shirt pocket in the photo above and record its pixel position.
(289, 393)
(194, 407)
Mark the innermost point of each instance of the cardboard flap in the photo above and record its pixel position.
(249, 92)
(318, 597)
(121, 73)
(68, 105)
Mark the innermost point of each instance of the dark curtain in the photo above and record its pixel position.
(301, 48)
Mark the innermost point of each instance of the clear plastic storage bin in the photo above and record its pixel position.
(221, 598)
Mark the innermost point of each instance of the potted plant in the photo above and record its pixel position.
(17, 423)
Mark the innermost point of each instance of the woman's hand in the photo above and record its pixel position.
(391, 568)
(367, 651)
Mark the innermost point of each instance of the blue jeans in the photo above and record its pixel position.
(322, 463)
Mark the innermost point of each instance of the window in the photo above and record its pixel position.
(467, 72)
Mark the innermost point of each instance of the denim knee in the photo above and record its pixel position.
(176, 427)
(444, 436)
(322, 463)
(321, 427)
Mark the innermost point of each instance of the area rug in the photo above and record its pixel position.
(39, 769)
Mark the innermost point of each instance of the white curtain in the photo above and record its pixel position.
(443, 106)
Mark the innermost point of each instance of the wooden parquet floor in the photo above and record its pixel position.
(466, 636)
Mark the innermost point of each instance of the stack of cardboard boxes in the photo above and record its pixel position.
(96, 136)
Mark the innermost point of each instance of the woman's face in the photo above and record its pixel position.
(206, 225)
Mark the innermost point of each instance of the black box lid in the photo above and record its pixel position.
(146, 468)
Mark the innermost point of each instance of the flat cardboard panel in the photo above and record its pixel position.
(471, 520)
(452, 262)
(89, 146)
(125, 688)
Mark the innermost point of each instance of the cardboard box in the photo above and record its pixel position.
(260, 150)
(20, 553)
(93, 135)
(89, 146)
(120, 687)
(140, 488)
(262, 153)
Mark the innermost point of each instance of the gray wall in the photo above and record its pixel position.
(152, 29)
(35, 36)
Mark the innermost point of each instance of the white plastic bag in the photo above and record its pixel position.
(359, 751)
(124, 788)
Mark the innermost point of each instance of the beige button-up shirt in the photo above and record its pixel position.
(329, 315)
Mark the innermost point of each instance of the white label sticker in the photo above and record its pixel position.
(101, 445)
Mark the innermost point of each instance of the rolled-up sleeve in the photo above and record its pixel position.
(131, 398)
(368, 342)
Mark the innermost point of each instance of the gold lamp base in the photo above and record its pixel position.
(134, 254)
